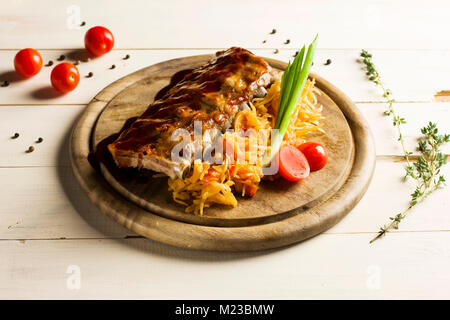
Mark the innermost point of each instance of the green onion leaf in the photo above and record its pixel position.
(292, 84)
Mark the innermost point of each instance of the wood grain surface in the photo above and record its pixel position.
(244, 231)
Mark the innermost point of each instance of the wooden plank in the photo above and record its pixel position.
(54, 124)
(47, 202)
(181, 24)
(417, 116)
(389, 194)
(420, 83)
(411, 75)
(407, 266)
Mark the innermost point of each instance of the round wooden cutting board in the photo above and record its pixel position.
(281, 213)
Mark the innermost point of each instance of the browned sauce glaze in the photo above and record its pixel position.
(210, 93)
(102, 154)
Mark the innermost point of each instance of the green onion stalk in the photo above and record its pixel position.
(292, 84)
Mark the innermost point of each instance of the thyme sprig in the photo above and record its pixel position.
(397, 121)
(426, 169)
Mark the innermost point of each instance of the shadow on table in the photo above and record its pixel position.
(45, 92)
(80, 54)
(114, 232)
(11, 76)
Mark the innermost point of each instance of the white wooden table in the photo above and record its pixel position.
(50, 233)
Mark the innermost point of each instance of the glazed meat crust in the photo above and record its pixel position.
(211, 94)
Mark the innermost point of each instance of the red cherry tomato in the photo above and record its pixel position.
(28, 62)
(316, 155)
(65, 77)
(293, 165)
(98, 41)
